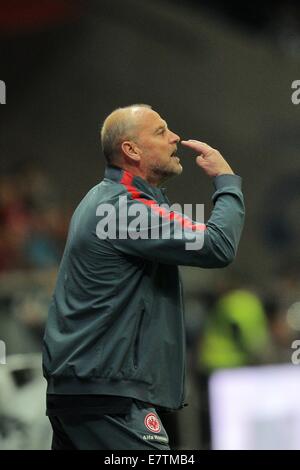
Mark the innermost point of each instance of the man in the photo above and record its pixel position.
(114, 343)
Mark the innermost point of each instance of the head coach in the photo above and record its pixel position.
(114, 344)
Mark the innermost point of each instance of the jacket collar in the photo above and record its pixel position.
(118, 175)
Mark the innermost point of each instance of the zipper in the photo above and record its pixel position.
(137, 340)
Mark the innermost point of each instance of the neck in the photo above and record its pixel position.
(151, 178)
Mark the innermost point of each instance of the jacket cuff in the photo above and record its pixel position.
(227, 180)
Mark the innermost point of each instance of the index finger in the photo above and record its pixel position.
(200, 147)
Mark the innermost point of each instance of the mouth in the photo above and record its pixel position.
(174, 153)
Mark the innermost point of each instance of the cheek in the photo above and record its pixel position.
(152, 152)
(156, 152)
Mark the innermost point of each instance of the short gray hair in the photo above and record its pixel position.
(116, 129)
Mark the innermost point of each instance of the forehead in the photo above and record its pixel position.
(150, 120)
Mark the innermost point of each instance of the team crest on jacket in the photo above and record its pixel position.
(152, 423)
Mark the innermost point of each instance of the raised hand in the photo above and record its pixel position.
(209, 159)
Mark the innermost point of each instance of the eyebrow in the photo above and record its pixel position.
(162, 126)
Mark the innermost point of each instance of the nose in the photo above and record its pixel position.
(174, 137)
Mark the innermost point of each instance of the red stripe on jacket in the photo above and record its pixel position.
(127, 180)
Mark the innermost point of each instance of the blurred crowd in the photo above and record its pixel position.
(241, 324)
(33, 228)
(33, 221)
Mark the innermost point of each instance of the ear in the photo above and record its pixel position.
(131, 150)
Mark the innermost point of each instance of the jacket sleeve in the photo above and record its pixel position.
(185, 241)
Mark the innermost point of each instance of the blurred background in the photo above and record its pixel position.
(217, 71)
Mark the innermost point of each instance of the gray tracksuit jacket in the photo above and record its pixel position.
(115, 323)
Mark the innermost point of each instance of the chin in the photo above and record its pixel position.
(177, 170)
(167, 172)
(174, 171)
(180, 169)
